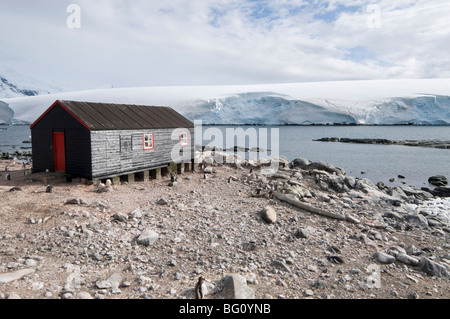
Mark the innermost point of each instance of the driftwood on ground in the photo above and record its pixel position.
(311, 209)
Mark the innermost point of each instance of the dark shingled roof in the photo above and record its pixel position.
(107, 116)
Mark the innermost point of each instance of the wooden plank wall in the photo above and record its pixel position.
(108, 159)
(77, 143)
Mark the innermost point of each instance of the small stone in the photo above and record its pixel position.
(416, 219)
(162, 201)
(407, 259)
(309, 293)
(356, 271)
(72, 201)
(384, 258)
(413, 295)
(335, 259)
(147, 238)
(30, 262)
(173, 263)
(392, 215)
(320, 284)
(438, 180)
(67, 296)
(103, 284)
(302, 233)
(281, 265)
(14, 296)
(120, 217)
(269, 215)
(115, 281)
(84, 295)
(312, 268)
(137, 213)
(252, 280)
(412, 250)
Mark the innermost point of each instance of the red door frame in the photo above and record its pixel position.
(59, 150)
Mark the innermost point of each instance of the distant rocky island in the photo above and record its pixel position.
(417, 143)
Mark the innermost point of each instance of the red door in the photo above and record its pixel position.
(59, 150)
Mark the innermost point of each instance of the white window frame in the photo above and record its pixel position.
(184, 139)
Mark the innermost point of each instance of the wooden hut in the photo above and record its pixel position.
(98, 140)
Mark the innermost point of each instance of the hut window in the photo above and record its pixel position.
(148, 141)
(184, 139)
(126, 145)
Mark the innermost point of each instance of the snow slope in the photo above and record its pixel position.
(13, 85)
(418, 101)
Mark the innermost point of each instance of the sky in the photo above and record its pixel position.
(134, 43)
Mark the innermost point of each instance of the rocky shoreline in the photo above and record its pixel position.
(302, 230)
(416, 143)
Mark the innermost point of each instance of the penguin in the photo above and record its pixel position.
(198, 288)
(49, 189)
(8, 177)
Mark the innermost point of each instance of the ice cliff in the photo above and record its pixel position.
(349, 102)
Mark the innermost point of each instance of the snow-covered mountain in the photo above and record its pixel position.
(14, 85)
(418, 101)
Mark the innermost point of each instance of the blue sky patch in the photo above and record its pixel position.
(359, 54)
(331, 16)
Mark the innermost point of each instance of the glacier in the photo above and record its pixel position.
(370, 102)
(13, 84)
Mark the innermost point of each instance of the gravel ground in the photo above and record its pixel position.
(79, 243)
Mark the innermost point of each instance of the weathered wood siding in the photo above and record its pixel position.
(113, 155)
(77, 143)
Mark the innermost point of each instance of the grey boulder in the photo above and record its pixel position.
(432, 268)
(235, 287)
(147, 238)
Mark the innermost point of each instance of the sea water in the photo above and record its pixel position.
(15, 138)
(375, 162)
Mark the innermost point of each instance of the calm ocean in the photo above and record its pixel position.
(379, 162)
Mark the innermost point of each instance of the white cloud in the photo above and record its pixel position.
(140, 43)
